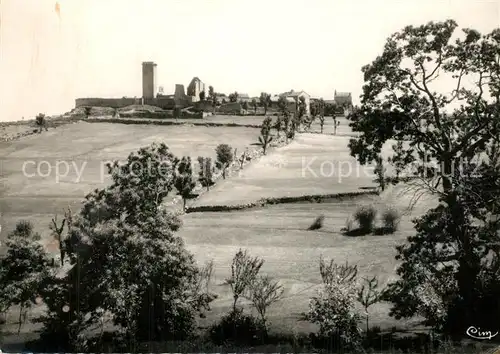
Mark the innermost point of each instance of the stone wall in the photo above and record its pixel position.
(106, 102)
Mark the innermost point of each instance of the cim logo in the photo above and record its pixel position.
(476, 333)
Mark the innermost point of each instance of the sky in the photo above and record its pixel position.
(53, 52)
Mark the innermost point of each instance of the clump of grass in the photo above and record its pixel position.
(365, 216)
(390, 218)
(318, 223)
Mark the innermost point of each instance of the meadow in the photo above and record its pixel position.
(83, 149)
(277, 233)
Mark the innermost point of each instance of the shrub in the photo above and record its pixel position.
(244, 271)
(263, 292)
(390, 218)
(333, 309)
(237, 328)
(225, 157)
(365, 216)
(318, 223)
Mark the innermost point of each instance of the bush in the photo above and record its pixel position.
(237, 328)
(390, 218)
(365, 216)
(333, 308)
(318, 223)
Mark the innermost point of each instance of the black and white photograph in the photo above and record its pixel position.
(250, 176)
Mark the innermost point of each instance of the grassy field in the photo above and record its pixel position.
(276, 233)
(310, 164)
(86, 147)
(279, 235)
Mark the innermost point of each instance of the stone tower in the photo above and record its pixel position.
(148, 79)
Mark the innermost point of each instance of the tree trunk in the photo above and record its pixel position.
(469, 262)
(184, 202)
(21, 307)
(235, 300)
(224, 173)
(367, 322)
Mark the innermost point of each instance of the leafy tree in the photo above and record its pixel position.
(265, 101)
(41, 122)
(184, 179)
(283, 108)
(233, 97)
(115, 113)
(333, 309)
(138, 186)
(202, 95)
(244, 271)
(399, 102)
(330, 109)
(23, 269)
(126, 260)
(244, 105)
(265, 137)
(206, 172)
(263, 292)
(301, 111)
(212, 95)
(254, 105)
(224, 158)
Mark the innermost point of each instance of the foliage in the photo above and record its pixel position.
(369, 294)
(390, 218)
(301, 111)
(233, 97)
(330, 109)
(318, 223)
(443, 130)
(254, 105)
(244, 105)
(41, 122)
(202, 95)
(224, 158)
(265, 137)
(237, 328)
(138, 186)
(283, 109)
(433, 291)
(263, 292)
(184, 180)
(244, 271)
(127, 262)
(206, 172)
(265, 101)
(23, 269)
(333, 309)
(365, 216)
(212, 96)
